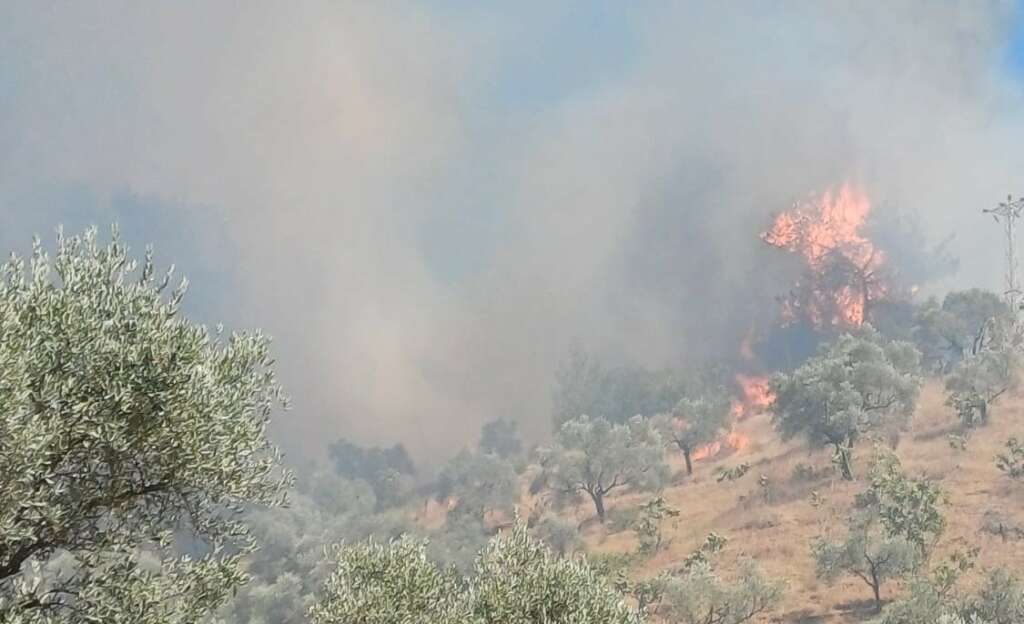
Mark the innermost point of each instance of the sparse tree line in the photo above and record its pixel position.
(137, 483)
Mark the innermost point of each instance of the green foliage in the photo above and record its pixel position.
(519, 581)
(562, 536)
(516, 580)
(866, 552)
(979, 381)
(711, 546)
(965, 323)
(697, 595)
(923, 603)
(999, 600)
(288, 568)
(907, 508)
(584, 385)
(126, 587)
(501, 437)
(649, 526)
(858, 384)
(376, 583)
(479, 482)
(694, 422)
(120, 423)
(388, 471)
(595, 456)
(457, 543)
(1012, 461)
(896, 522)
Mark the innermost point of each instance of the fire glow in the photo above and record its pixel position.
(756, 396)
(755, 399)
(841, 278)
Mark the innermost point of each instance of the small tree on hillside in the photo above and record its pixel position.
(122, 426)
(866, 552)
(389, 471)
(1012, 461)
(501, 437)
(479, 482)
(585, 385)
(963, 324)
(649, 525)
(979, 381)
(855, 385)
(696, 594)
(596, 457)
(896, 522)
(693, 423)
(907, 508)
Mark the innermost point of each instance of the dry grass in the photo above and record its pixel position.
(777, 529)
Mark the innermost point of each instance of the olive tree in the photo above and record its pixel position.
(855, 385)
(697, 594)
(907, 508)
(648, 526)
(979, 381)
(385, 583)
(1012, 461)
(124, 428)
(963, 324)
(519, 581)
(388, 471)
(867, 553)
(586, 385)
(999, 600)
(516, 580)
(694, 422)
(896, 522)
(478, 482)
(501, 437)
(594, 456)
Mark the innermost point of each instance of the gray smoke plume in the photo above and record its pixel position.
(426, 204)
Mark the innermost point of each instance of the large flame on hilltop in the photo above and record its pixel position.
(841, 280)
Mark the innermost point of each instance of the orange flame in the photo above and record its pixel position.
(755, 399)
(756, 392)
(841, 262)
(733, 441)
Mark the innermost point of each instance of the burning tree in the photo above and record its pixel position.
(843, 275)
(856, 385)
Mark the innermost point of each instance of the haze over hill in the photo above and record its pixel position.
(428, 203)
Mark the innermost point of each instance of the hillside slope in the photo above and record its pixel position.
(775, 523)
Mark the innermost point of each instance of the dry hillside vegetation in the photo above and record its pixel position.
(791, 495)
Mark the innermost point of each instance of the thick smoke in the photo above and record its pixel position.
(427, 205)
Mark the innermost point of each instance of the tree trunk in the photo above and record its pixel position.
(843, 453)
(689, 462)
(983, 411)
(598, 499)
(878, 596)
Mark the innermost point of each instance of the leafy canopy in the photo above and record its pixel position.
(594, 456)
(120, 422)
(855, 385)
(516, 580)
